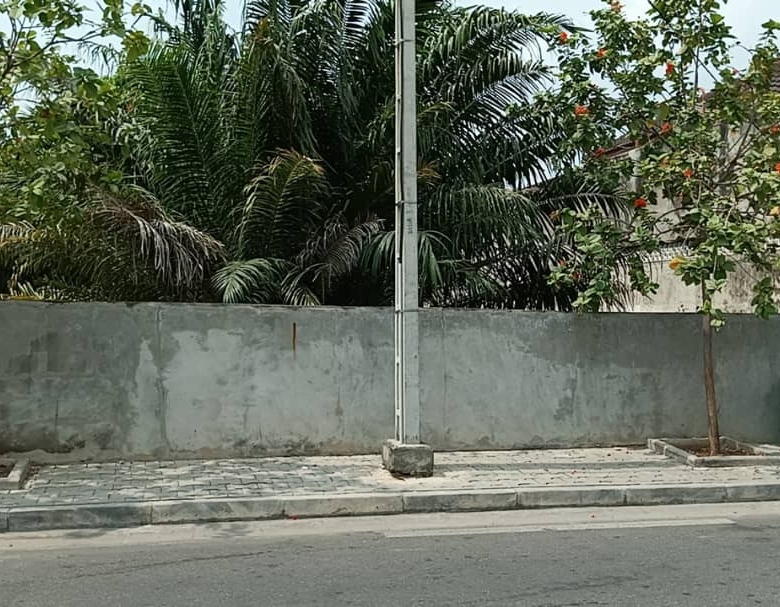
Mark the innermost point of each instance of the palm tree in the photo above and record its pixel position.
(278, 141)
(267, 153)
(70, 229)
(108, 247)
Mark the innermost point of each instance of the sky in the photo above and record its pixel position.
(745, 16)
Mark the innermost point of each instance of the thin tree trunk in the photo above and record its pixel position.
(709, 383)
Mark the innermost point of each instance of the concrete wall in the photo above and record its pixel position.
(102, 380)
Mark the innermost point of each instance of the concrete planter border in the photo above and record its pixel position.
(676, 449)
(17, 476)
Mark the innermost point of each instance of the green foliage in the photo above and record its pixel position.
(70, 224)
(600, 247)
(712, 159)
(316, 81)
(257, 165)
(104, 237)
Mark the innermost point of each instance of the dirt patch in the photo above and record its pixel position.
(724, 450)
(5, 469)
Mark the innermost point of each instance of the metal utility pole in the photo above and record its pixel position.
(407, 362)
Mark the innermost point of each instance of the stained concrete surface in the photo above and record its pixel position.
(192, 380)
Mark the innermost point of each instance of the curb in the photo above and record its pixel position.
(133, 514)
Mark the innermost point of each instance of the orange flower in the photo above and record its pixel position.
(777, 167)
(675, 263)
(669, 68)
(666, 128)
(640, 203)
(563, 37)
(774, 129)
(581, 110)
(602, 52)
(688, 173)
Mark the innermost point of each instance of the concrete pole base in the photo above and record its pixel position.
(408, 460)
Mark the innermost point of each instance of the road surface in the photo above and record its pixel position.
(671, 556)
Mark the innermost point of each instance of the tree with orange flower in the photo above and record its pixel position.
(712, 157)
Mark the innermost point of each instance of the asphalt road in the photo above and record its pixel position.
(700, 555)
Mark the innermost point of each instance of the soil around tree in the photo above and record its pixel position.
(724, 451)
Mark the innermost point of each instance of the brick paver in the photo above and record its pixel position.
(291, 476)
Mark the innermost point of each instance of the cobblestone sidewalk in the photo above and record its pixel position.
(128, 482)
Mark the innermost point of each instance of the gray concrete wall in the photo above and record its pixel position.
(103, 380)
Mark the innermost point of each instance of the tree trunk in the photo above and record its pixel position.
(709, 387)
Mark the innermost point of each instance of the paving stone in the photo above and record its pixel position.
(454, 472)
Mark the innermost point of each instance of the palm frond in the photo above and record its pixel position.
(282, 204)
(251, 281)
(185, 152)
(177, 254)
(14, 232)
(297, 290)
(112, 246)
(279, 141)
(336, 248)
